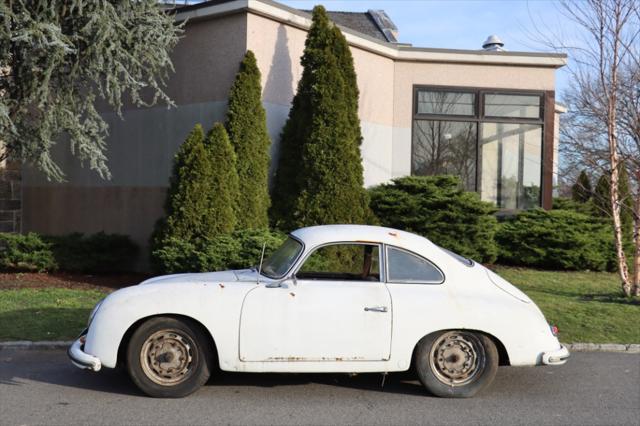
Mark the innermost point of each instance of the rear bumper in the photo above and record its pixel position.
(81, 359)
(557, 357)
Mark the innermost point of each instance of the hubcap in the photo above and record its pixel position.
(457, 358)
(166, 357)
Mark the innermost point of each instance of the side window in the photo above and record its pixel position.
(406, 267)
(340, 262)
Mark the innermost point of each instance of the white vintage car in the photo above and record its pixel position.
(335, 298)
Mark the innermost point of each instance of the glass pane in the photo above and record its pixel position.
(445, 147)
(525, 106)
(511, 164)
(406, 267)
(276, 265)
(359, 262)
(531, 168)
(446, 103)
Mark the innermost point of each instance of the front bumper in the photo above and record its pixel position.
(557, 357)
(81, 359)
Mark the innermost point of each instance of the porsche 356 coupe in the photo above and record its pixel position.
(333, 298)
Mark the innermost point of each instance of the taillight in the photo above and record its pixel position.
(554, 330)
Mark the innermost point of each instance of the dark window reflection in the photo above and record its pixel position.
(445, 147)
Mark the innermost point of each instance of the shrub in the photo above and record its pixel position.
(97, 253)
(27, 252)
(561, 203)
(240, 249)
(556, 239)
(247, 128)
(436, 207)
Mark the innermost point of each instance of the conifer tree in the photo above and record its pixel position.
(320, 174)
(581, 190)
(202, 190)
(601, 197)
(247, 128)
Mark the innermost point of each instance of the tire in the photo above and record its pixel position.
(169, 358)
(456, 363)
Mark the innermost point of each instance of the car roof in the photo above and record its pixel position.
(323, 234)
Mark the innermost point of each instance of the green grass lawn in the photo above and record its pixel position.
(586, 306)
(45, 313)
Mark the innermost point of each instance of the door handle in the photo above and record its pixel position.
(376, 309)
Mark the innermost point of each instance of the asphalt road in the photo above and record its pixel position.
(41, 387)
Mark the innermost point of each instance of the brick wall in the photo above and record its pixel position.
(10, 197)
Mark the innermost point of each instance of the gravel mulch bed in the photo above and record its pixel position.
(69, 280)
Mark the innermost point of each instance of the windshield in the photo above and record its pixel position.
(281, 260)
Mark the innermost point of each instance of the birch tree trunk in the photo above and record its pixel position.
(635, 290)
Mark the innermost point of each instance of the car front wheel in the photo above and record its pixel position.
(457, 363)
(168, 358)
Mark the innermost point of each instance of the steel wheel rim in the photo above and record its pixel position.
(167, 357)
(457, 358)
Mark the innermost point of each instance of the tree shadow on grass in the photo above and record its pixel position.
(616, 298)
(611, 298)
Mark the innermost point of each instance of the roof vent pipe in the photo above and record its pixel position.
(493, 43)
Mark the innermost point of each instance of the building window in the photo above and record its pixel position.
(446, 103)
(521, 106)
(492, 140)
(445, 148)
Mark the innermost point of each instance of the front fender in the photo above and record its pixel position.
(215, 305)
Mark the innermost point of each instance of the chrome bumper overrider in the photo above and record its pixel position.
(557, 357)
(81, 359)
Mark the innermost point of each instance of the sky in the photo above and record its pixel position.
(465, 24)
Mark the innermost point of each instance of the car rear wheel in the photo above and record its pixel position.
(457, 363)
(169, 358)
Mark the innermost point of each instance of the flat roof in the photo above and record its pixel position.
(399, 52)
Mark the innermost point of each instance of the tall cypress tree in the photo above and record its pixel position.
(202, 190)
(224, 187)
(320, 175)
(602, 196)
(581, 190)
(247, 127)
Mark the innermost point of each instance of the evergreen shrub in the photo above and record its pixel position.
(436, 207)
(96, 253)
(240, 249)
(557, 240)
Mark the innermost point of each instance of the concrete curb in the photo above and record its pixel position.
(573, 347)
(29, 345)
(603, 347)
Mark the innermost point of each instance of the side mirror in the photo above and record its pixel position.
(281, 283)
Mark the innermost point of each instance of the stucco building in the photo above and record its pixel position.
(488, 115)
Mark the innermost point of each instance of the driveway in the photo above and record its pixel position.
(41, 387)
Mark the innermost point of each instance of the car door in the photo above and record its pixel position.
(337, 308)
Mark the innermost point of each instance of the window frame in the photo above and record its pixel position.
(381, 260)
(479, 118)
(412, 253)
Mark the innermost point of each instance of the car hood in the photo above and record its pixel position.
(205, 277)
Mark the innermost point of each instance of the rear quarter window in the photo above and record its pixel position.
(407, 267)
